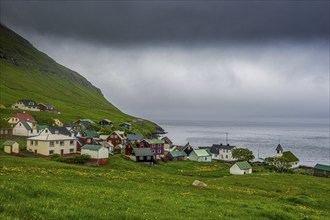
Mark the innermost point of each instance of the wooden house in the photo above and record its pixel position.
(144, 155)
(20, 117)
(26, 128)
(241, 167)
(222, 152)
(6, 132)
(291, 158)
(98, 153)
(176, 156)
(26, 104)
(167, 142)
(46, 107)
(321, 170)
(200, 155)
(106, 122)
(133, 138)
(57, 122)
(10, 146)
(55, 130)
(50, 144)
(156, 146)
(117, 138)
(89, 133)
(126, 125)
(186, 148)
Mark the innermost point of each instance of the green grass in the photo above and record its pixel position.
(34, 188)
(27, 73)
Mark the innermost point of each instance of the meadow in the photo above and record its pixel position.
(37, 188)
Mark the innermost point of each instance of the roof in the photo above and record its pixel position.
(290, 156)
(279, 148)
(243, 165)
(154, 141)
(177, 154)
(216, 147)
(60, 130)
(104, 136)
(51, 137)
(26, 124)
(142, 152)
(28, 102)
(166, 139)
(107, 120)
(134, 137)
(9, 143)
(322, 167)
(91, 133)
(24, 116)
(202, 152)
(47, 105)
(92, 147)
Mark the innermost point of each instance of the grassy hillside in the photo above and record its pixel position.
(34, 188)
(27, 73)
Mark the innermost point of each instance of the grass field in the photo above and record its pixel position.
(36, 188)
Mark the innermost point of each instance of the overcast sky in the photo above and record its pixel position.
(199, 60)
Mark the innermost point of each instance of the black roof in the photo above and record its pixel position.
(279, 148)
(28, 102)
(60, 130)
(142, 152)
(216, 147)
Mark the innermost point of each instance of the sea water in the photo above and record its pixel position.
(308, 139)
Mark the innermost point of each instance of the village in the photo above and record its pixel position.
(77, 138)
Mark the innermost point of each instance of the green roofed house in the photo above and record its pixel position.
(200, 155)
(98, 153)
(241, 167)
(11, 147)
(292, 159)
(176, 155)
(90, 133)
(321, 170)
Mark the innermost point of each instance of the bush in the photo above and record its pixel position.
(75, 159)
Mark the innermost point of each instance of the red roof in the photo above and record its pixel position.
(24, 116)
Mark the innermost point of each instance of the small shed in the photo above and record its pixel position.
(176, 155)
(11, 147)
(321, 170)
(142, 155)
(242, 167)
(200, 155)
(97, 152)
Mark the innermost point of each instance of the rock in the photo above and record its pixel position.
(199, 184)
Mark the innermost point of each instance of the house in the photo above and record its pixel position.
(117, 137)
(222, 152)
(107, 145)
(187, 148)
(241, 167)
(132, 138)
(144, 155)
(106, 122)
(81, 141)
(156, 146)
(291, 158)
(98, 153)
(176, 155)
(26, 128)
(82, 124)
(55, 130)
(104, 137)
(200, 155)
(26, 104)
(20, 117)
(10, 146)
(6, 132)
(126, 125)
(321, 170)
(50, 144)
(89, 133)
(167, 142)
(57, 122)
(46, 107)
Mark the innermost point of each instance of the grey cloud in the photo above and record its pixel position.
(192, 22)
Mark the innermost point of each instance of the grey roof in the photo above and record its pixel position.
(279, 148)
(142, 152)
(216, 147)
(28, 102)
(134, 137)
(60, 130)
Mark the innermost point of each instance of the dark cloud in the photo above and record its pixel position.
(131, 22)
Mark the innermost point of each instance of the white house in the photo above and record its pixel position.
(10, 147)
(26, 104)
(292, 159)
(200, 155)
(242, 167)
(52, 144)
(222, 152)
(97, 152)
(26, 128)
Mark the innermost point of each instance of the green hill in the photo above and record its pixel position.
(27, 73)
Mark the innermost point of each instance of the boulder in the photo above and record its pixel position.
(199, 184)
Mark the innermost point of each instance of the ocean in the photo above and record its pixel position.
(308, 139)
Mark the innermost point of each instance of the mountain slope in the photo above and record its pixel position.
(27, 73)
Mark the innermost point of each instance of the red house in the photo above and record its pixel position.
(156, 146)
(117, 138)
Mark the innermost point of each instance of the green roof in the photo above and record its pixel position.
(243, 165)
(202, 153)
(154, 141)
(8, 143)
(178, 154)
(40, 127)
(26, 125)
(92, 147)
(322, 167)
(91, 133)
(290, 156)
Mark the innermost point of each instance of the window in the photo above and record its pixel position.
(205, 158)
(51, 144)
(159, 151)
(140, 157)
(6, 131)
(88, 141)
(56, 142)
(46, 131)
(153, 146)
(31, 142)
(36, 143)
(71, 150)
(51, 152)
(71, 143)
(61, 143)
(226, 156)
(148, 158)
